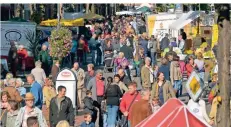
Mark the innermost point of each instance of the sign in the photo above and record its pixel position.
(179, 8)
(150, 23)
(67, 78)
(15, 32)
(214, 35)
(194, 86)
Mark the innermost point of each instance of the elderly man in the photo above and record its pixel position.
(147, 74)
(55, 70)
(79, 72)
(36, 90)
(141, 109)
(123, 78)
(97, 87)
(13, 92)
(44, 58)
(28, 111)
(39, 73)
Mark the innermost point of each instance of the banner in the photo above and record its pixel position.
(214, 35)
(150, 24)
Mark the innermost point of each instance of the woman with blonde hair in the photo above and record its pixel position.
(121, 62)
(63, 123)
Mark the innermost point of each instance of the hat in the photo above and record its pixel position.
(29, 96)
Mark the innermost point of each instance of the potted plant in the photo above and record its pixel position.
(60, 43)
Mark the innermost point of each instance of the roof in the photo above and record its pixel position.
(173, 113)
(184, 20)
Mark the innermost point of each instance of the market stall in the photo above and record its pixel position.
(173, 113)
(63, 22)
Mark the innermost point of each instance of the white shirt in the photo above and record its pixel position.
(181, 44)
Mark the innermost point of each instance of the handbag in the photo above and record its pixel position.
(123, 122)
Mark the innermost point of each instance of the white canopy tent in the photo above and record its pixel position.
(184, 20)
(145, 4)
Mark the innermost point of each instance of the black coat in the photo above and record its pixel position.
(88, 105)
(66, 111)
(128, 52)
(113, 94)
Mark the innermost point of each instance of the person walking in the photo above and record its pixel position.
(39, 73)
(162, 89)
(55, 70)
(128, 100)
(112, 94)
(36, 90)
(22, 58)
(97, 87)
(176, 75)
(79, 72)
(12, 113)
(13, 58)
(147, 74)
(141, 109)
(92, 45)
(61, 108)
(28, 111)
(152, 45)
(122, 86)
(43, 56)
(48, 92)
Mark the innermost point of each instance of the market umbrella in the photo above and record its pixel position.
(144, 9)
(173, 113)
(63, 22)
(18, 19)
(90, 16)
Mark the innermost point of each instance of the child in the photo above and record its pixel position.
(12, 113)
(87, 121)
(155, 104)
(89, 105)
(32, 121)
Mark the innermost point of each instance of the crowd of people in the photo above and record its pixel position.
(125, 99)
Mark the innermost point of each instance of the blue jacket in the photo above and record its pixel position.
(144, 44)
(84, 124)
(36, 90)
(74, 46)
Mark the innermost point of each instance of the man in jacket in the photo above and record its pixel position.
(36, 90)
(147, 74)
(141, 109)
(123, 78)
(127, 99)
(28, 111)
(61, 108)
(92, 45)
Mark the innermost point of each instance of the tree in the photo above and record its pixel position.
(223, 116)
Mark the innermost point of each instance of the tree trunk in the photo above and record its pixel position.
(223, 116)
(92, 8)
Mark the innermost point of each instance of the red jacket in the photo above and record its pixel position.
(126, 101)
(189, 69)
(23, 53)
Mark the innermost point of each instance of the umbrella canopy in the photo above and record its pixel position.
(63, 22)
(144, 9)
(18, 19)
(90, 16)
(173, 113)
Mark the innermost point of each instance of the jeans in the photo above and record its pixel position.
(129, 123)
(153, 57)
(93, 53)
(137, 67)
(178, 86)
(105, 120)
(112, 115)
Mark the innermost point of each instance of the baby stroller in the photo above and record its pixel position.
(108, 60)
